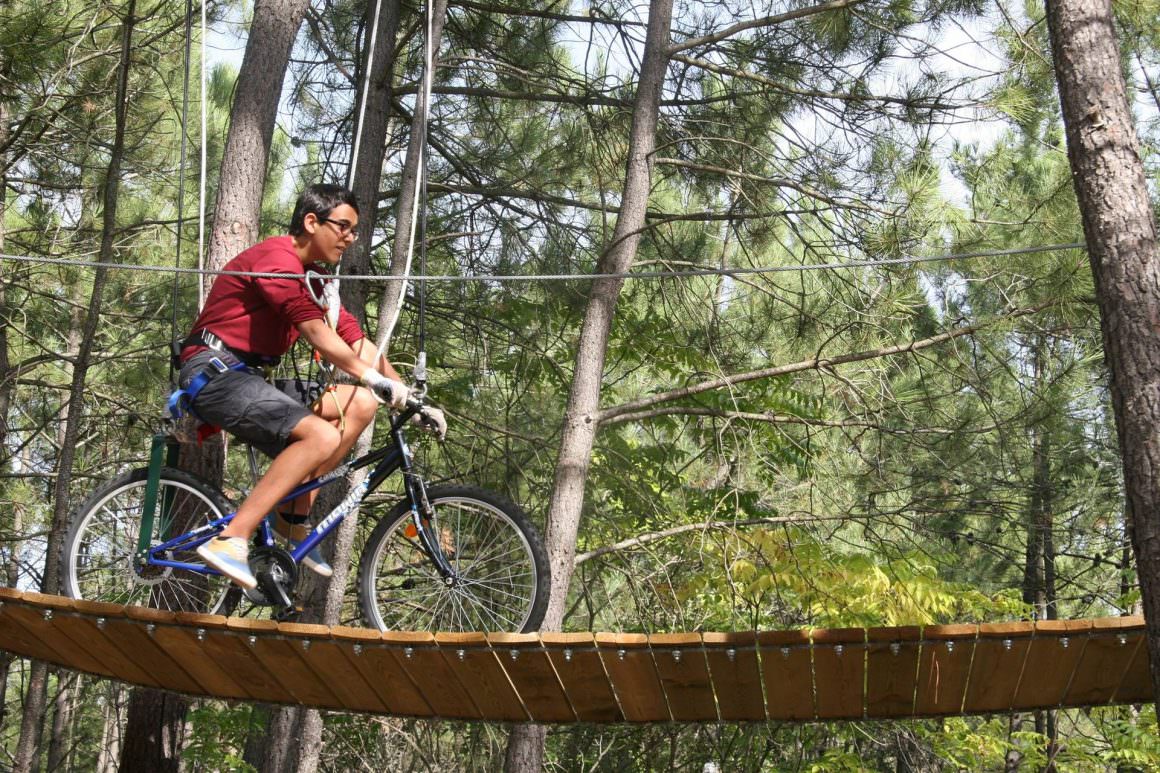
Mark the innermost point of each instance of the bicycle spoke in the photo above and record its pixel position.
(101, 560)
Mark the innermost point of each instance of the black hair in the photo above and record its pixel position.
(320, 199)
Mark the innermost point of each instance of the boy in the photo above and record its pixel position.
(247, 324)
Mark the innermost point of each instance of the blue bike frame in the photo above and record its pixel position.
(388, 459)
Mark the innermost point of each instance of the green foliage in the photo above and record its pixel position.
(787, 578)
(217, 737)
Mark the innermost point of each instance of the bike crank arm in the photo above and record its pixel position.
(273, 590)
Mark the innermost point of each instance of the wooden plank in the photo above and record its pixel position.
(381, 671)
(786, 674)
(84, 623)
(91, 608)
(944, 667)
(40, 623)
(479, 671)
(15, 639)
(149, 615)
(133, 638)
(1136, 686)
(581, 673)
(628, 661)
(417, 655)
(892, 670)
(181, 644)
(213, 677)
(736, 675)
(324, 657)
(839, 658)
(123, 664)
(1000, 652)
(233, 654)
(1052, 657)
(528, 666)
(280, 659)
(1105, 661)
(684, 674)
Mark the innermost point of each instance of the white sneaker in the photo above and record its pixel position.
(231, 557)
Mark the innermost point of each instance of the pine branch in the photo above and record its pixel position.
(909, 103)
(774, 418)
(609, 415)
(766, 21)
(657, 536)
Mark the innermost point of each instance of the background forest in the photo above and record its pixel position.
(885, 442)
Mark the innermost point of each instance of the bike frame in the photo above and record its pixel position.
(396, 455)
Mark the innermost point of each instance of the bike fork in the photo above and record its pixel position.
(423, 516)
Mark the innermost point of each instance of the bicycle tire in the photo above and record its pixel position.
(100, 549)
(504, 575)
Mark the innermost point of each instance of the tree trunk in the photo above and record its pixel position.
(110, 748)
(59, 743)
(35, 701)
(367, 170)
(1121, 240)
(242, 180)
(526, 742)
(35, 707)
(11, 575)
(1013, 760)
(278, 757)
(6, 386)
(153, 732)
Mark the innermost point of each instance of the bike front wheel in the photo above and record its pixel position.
(500, 580)
(100, 551)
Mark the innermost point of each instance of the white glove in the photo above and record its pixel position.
(432, 420)
(386, 390)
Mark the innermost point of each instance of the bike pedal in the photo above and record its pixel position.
(287, 614)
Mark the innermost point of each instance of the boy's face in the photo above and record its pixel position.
(329, 237)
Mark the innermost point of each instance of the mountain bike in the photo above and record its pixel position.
(446, 557)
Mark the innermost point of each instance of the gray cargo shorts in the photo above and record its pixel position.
(245, 404)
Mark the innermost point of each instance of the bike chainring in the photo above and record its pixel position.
(280, 568)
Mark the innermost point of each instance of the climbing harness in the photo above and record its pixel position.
(180, 402)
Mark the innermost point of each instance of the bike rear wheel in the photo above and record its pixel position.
(100, 561)
(501, 573)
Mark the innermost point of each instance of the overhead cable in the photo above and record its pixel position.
(456, 278)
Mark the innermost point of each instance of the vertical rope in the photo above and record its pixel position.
(429, 75)
(420, 195)
(181, 170)
(366, 87)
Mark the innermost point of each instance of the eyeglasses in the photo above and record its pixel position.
(345, 227)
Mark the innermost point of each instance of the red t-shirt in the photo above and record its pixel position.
(258, 314)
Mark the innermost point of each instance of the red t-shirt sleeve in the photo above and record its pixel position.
(348, 327)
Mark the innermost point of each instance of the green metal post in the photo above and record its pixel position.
(149, 508)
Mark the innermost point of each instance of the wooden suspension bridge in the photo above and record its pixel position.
(801, 675)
